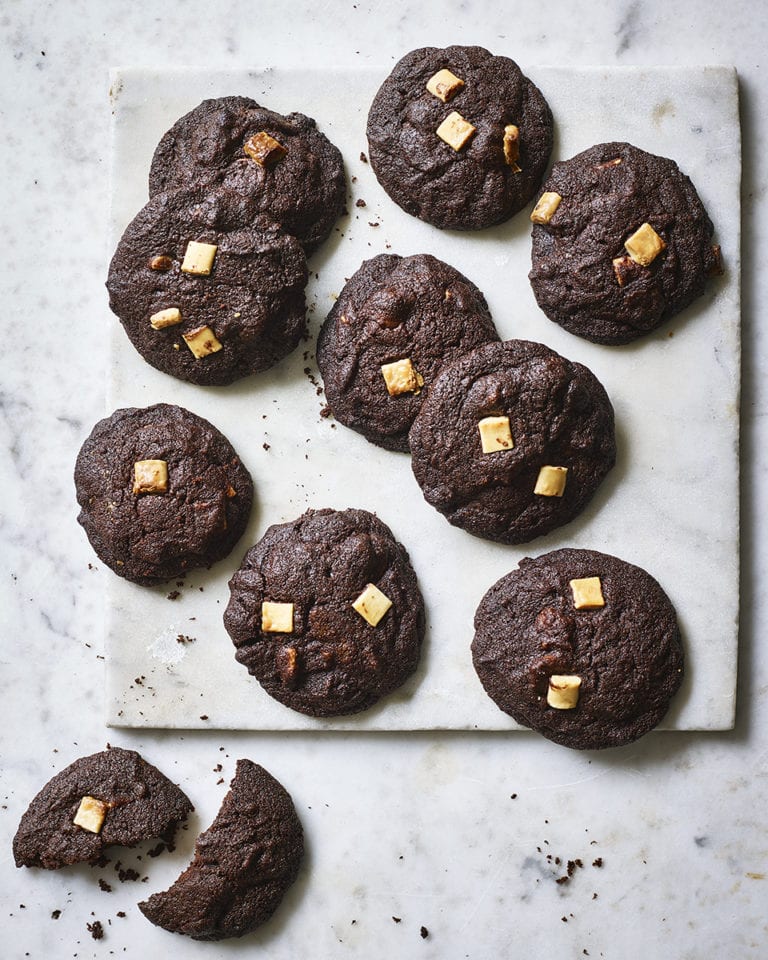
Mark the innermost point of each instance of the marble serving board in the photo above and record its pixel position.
(670, 505)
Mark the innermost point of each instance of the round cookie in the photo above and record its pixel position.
(458, 137)
(415, 313)
(621, 242)
(161, 491)
(512, 440)
(203, 298)
(326, 612)
(291, 172)
(243, 865)
(580, 646)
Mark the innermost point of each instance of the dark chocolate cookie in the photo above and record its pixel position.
(244, 863)
(581, 646)
(287, 168)
(621, 242)
(161, 491)
(202, 297)
(512, 440)
(112, 797)
(458, 137)
(326, 612)
(396, 322)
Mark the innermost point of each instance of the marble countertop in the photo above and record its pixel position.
(462, 834)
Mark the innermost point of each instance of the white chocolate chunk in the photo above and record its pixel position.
(563, 691)
(512, 146)
(165, 318)
(495, 434)
(202, 342)
(150, 476)
(444, 85)
(198, 258)
(551, 481)
(276, 617)
(401, 377)
(587, 593)
(456, 131)
(546, 207)
(644, 245)
(372, 604)
(264, 149)
(90, 814)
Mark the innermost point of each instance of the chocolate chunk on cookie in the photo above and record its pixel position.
(395, 323)
(161, 491)
(458, 137)
(580, 646)
(326, 612)
(243, 865)
(289, 171)
(202, 297)
(112, 797)
(621, 243)
(512, 440)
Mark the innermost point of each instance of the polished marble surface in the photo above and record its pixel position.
(458, 833)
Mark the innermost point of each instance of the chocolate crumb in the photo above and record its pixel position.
(424, 933)
(265, 446)
(173, 595)
(203, 716)
(597, 862)
(121, 913)
(397, 919)
(55, 914)
(363, 158)
(360, 202)
(106, 887)
(183, 638)
(95, 929)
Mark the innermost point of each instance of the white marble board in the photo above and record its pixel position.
(670, 505)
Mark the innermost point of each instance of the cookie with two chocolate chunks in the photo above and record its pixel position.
(161, 491)
(326, 612)
(583, 647)
(394, 325)
(459, 137)
(108, 798)
(244, 863)
(203, 297)
(512, 440)
(621, 243)
(286, 168)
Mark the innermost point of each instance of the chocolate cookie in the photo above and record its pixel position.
(396, 322)
(458, 137)
(581, 646)
(244, 863)
(161, 491)
(621, 242)
(288, 170)
(200, 296)
(326, 612)
(512, 440)
(112, 797)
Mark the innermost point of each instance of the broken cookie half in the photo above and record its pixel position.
(243, 865)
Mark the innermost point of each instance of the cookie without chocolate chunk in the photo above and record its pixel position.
(108, 798)
(627, 245)
(161, 491)
(395, 323)
(458, 137)
(244, 863)
(580, 646)
(512, 440)
(286, 168)
(356, 620)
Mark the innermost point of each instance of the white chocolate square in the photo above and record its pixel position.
(545, 208)
(563, 691)
(495, 434)
(276, 617)
(587, 593)
(198, 258)
(401, 377)
(150, 476)
(90, 814)
(372, 604)
(456, 131)
(202, 342)
(444, 85)
(644, 245)
(165, 318)
(551, 481)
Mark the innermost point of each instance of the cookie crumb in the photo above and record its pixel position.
(173, 595)
(95, 929)
(397, 919)
(55, 914)
(424, 933)
(363, 158)
(103, 885)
